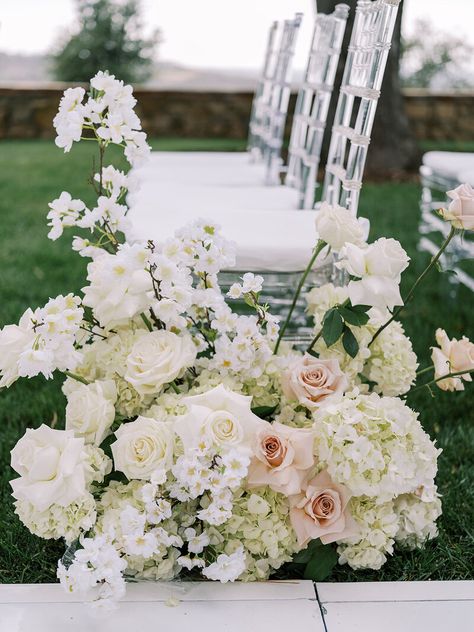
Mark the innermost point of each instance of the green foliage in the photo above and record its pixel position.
(32, 173)
(333, 326)
(432, 59)
(109, 37)
(349, 342)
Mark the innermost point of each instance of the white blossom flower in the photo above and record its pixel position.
(227, 568)
(64, 212)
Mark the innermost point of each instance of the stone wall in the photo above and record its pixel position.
(27, 111)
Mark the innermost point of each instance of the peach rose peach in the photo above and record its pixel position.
(282, 458)
(314, 382)
(321, 511)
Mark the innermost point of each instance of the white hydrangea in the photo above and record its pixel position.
(226, 568)
(417, 520)
(392, 364)
(378, 524)
(260, 522)
(43, 341)
(375, 445)
(321, 299)
(57, 521)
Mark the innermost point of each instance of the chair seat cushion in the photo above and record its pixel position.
(203, 169)
(449, 163)
(171, 197)
(278, 241)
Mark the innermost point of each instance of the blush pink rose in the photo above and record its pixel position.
(314, 382)
(461, 209)
(453, 356)
(282, 458)
(321, 511)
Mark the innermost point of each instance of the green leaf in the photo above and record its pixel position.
(264, 411)
(304, 556)
(353, 317)
(360, 308)
(350, 343)
(321, 564)
(332, 327)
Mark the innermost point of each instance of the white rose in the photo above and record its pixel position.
(51, 464)
(220, 415)
(143, 447)
(461, 209)
(90, 409)
(158, 358)
(336, 226)
(379, 267)
(14, 339)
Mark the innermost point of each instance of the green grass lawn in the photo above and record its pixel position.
(32, 268)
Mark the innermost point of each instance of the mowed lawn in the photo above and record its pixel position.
(32, 268)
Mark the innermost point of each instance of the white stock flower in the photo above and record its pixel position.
(379, 267)
(90, 409)
(142, 447)
(222, 416)
(158, 358)
(14, 339)
(64, 212)
(227, 568)
(51, 464)
(69, 120)
(337, 226)
(120, 287)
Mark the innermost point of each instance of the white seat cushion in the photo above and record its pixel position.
(466, 176)
(171, 197)
(280, 241)
(449, 163)
(203, 169)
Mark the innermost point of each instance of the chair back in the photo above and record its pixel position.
(312, 104)
(262, 95)
(369, 46)
(275, 110)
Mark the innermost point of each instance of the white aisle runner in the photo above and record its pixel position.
(270, 607)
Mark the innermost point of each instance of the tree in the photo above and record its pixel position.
(393, 148)
(435, 59)
(109, 37)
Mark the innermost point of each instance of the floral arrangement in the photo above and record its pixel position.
(197, 442)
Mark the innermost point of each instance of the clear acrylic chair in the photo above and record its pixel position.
(309, 123)
(267, 122)
(459, 256)
(358, 98)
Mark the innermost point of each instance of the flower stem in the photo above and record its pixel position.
(76, 377)
(409, 296)
(146, 321)
(443, 377)
(319, 246)
(425, 370)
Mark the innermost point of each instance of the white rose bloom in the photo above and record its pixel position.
(379, 267)
(14, 339)
(51, 464)
(158, 358)
(143, 447)
(90, 409)
(337, 226)
(220, 415)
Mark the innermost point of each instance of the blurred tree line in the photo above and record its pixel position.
(109, 35)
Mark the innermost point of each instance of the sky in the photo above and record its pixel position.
(208, 33)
